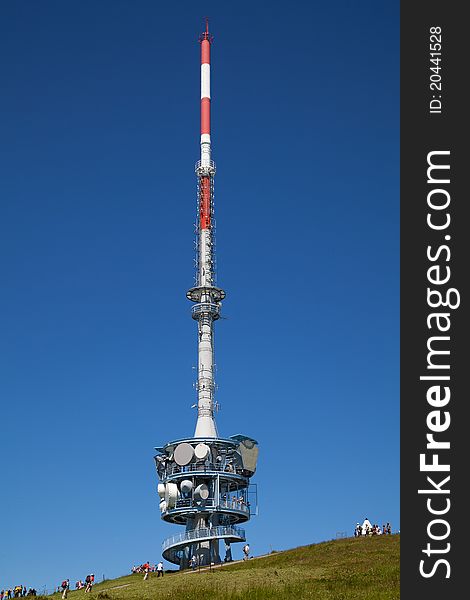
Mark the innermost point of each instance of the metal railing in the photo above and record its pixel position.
(206, 533)
(205, 307)
(229, 504)
(211, 167)
(201, 468)
(235, 504)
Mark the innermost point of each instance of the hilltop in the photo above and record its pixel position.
(345, 569)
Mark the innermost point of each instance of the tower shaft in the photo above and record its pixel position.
(208, 307)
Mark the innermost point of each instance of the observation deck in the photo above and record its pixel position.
(206, 468)
(233, 509)
(195, 294)
(174, 547)
(205, 308)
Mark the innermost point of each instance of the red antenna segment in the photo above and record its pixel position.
(205, 175)
(205, 35)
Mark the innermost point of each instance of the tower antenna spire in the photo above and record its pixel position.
(205, 35)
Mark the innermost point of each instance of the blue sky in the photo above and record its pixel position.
(100, 125)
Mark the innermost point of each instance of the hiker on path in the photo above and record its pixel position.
(246, 551)
(146, 567)
(89, 579)
(228, 552)
(160, 569)
(65, 587)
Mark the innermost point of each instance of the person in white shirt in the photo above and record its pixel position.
(366, 527)
(246, 551)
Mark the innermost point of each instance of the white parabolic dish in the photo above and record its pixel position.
(183, 454)
(201, 451)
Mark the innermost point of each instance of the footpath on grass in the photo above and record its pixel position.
(219, 565)
(353, 568)
(198, 570)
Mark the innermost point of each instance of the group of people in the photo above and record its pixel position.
(79, 585)
(368, 529)
(64, 587)
(17, 592)
(194, 561)
(234, 502)
(141, 568)
(147, 568)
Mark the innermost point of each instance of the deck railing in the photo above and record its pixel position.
(204, 534)
(227, 504)
(201, 467)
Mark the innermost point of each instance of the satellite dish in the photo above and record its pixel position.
(186, 486)
(249, 455)
(183, 454)
(201, 451)
(202, 492)
(171, 494)
(161, 490)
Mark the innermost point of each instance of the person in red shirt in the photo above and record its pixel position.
(89, 580)
(65, 588)
(146, 570)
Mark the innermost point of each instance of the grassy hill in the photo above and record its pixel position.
(346, 569)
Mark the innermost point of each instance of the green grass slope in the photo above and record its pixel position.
(346, 569)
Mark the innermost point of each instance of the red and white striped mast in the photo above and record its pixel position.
(205, 294)
(205, 40)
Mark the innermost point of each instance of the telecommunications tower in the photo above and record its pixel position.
(204, 481)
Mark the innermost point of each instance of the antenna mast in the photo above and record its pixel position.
(206, 296)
